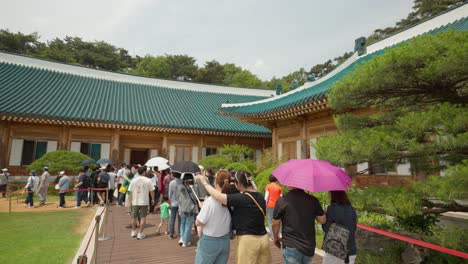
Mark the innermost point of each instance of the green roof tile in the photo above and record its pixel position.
(316, 91)
(30, 91)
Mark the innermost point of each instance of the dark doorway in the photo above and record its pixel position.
(139, 156)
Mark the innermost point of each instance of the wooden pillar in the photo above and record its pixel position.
(274, 143)
(201, 147)
(305, 143)
(115, 147)
(4, 142)
(165, 147)
(64, 140)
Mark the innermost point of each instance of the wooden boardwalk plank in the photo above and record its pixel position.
(154, 248)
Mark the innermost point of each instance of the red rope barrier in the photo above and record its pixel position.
(415, 241)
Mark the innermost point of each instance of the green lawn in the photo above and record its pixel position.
(41, 237)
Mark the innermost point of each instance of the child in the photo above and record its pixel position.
(164, 215)
(31, 187)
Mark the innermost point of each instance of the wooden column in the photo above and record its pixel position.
(200, 148)
(64, 140)
(274, 143)
(165, 147)
(115, 147)
(305, 143)
(4, 140)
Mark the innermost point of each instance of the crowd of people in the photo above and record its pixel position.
(219, 206)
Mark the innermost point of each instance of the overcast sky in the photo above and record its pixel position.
(268, 37)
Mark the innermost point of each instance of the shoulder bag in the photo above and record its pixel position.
(336, 240)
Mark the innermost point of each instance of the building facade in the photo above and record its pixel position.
(300, 117)
(48, 106)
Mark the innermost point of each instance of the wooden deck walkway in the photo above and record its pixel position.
(122, 248)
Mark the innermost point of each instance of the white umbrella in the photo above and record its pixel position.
(163, 167)
(156, 161)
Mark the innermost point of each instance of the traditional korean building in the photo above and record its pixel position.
(300, 117)
(47, 106)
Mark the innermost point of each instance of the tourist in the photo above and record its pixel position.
(4, 181)
(214, 223)
(157, 177)
(198, 186)
(139, 189)
(295, 212)
(248, 219)
(82, 187)
(44, 186)
(167, 180)
(174, 202)
(94, 184)
(210, 175)
(164, 207)
(154, 180)
(64, 184)
(103, 183)
(188, 208)
(272, 193)
(111, 184)
(31, 187)
(122, 175)
(341, 211)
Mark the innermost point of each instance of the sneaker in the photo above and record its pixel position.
(180, 242)
(141, 236)
(134, 234)
(186, 245)
(165, 233)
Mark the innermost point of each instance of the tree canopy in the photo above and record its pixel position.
(417, 94)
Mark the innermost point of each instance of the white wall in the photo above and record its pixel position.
(153, 153)
(298, 149)
(51, 146)
(127, 156)
(195, 154)
(362, 166)
(16, 151)
(75, 146)
(171, 154)
(105, 150)
(280, 150)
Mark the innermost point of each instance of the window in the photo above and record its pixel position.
(211, 151)
(91, 149)
(183, 153)
(33, 150)
(382, 168)
(289, 150)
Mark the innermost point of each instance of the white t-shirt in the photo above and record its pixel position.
(140, 188)
(120, 174)
(215, 218)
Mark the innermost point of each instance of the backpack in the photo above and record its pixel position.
(86, 182)
(336, 240)
(103, 178)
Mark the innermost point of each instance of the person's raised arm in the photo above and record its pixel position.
(321, 218)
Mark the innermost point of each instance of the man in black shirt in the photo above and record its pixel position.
(296, 211)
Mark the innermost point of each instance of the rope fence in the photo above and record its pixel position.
(415, 241)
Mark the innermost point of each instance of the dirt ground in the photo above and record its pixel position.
(17, 204)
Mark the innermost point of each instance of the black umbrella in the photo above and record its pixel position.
(185, 166)
(87, 162)
(104, 161)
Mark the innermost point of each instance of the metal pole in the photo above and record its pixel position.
(96, 234)
(104, 225)
(91, 192)
(82, 259)
(9, 201)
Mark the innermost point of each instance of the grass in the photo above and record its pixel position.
(41, 237)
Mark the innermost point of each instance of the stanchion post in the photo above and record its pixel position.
(9, 202)
(82, 259)
(104, 225)
(96, 235)
(91, 196)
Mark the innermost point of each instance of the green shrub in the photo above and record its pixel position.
(215, 162)
(450, 237)
(250, 164)
(261, 180)
(239, 166)
(60, 160)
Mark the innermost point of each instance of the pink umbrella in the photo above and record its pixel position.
(312, 175)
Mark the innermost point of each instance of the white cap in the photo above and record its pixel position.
(201, 167)
(103, 168)
(4, 169)
(62, 173)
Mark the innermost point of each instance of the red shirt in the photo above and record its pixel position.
(274, 193)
